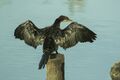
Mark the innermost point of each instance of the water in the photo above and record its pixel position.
(82, 62)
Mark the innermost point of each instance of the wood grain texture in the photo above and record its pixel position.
(55, 68)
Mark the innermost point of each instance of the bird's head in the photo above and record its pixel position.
(63, 18)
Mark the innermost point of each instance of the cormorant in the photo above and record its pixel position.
(52, 36)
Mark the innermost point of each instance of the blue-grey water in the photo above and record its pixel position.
(85, 61)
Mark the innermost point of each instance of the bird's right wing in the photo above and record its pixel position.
(28, 32)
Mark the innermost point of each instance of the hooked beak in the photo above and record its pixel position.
(69, 20)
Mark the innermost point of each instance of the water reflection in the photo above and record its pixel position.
(76, 5)
(4, 2)
(46, 2)
(93, 60)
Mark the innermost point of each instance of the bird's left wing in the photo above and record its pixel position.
(75, 33)
(28, 32)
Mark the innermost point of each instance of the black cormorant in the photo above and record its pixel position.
(52, 36)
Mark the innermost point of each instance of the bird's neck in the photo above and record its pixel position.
(56, 23)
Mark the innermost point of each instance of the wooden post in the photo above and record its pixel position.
(55, 67)
(115, 71)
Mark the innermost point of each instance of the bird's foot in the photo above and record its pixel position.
(52, 56)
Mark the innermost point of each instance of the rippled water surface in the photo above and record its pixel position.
(85, 61)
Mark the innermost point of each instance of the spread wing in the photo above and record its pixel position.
(75, 33)
(28, 32)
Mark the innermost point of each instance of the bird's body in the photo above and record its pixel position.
(49, 46)
(52, 36)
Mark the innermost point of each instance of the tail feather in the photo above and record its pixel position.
(43, 61)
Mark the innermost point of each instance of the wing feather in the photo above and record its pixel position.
(28, 32)
(75, 33)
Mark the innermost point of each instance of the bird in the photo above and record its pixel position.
(52, 37)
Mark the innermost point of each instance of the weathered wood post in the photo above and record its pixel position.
(55, 67)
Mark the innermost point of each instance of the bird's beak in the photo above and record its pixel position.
(69, 20)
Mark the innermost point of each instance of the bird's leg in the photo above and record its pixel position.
(56, 52)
